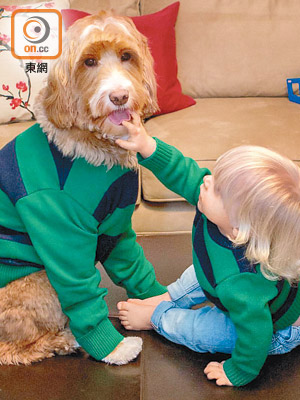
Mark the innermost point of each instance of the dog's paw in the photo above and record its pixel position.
(126, 351)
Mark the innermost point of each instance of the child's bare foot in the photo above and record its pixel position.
(152, 301)
(135, 316)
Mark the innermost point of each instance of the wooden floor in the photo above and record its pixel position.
(164, 371)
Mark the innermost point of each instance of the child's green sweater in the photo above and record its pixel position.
(256, 306)
(64, 215)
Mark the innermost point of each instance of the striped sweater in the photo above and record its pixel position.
(64, 215)
(256, 305)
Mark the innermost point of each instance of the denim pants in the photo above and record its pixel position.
(206, 329)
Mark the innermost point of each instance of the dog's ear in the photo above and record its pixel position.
(57, 98)
(149, 80)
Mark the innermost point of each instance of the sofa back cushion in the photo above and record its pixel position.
(235, 48)
(213, 126)
(124, 7)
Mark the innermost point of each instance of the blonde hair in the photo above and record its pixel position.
(260, 190)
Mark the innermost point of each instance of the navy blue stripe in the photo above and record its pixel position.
(63, 164)
(243, 263)
(279, 285)
(10, 177)
(121, 193)
(215, 301)
(286, 305)
(201, 252)
(19, 263)
(105, 246)
(238, 252)
(14, 236)
(198, 216)
(217, 236)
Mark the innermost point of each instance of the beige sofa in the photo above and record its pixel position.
(234, 57)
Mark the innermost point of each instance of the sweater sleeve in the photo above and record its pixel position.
(128, 267)
(246, 298)
(180, 174)
(65, 238)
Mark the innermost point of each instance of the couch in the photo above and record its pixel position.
(234, 57)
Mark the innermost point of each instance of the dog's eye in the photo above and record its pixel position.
(90, 62)
(126, 56)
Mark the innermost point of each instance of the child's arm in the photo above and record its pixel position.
(180, 174)
(246, 296)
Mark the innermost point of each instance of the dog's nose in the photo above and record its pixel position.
(119, 97)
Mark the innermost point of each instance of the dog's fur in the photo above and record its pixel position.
(106, 66)
(32, 325)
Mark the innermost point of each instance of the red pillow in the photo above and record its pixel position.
(159, 28)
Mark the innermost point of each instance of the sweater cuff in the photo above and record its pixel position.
(159, 159)
(101, 341)
(155, 290)
(236, 376)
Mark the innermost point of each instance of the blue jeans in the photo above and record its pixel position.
(206, 329)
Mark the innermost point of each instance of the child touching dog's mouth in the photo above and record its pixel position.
(246, 252)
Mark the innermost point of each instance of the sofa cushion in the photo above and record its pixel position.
(163, 218)
(235, 48)
(213, 126)
(124, 7)
(159, 28)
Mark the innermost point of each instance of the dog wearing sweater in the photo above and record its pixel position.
(67, 193)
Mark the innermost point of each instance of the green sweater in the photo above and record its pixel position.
(64, 215)
(256, 306)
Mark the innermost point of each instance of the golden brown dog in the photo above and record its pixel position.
(104, 75)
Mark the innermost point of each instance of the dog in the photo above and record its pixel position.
(105, 73)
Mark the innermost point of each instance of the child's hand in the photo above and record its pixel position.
(215, 370)
(138, 140)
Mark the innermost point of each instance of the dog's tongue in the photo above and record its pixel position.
(118, 116)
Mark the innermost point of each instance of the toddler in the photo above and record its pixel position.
(246, 257)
